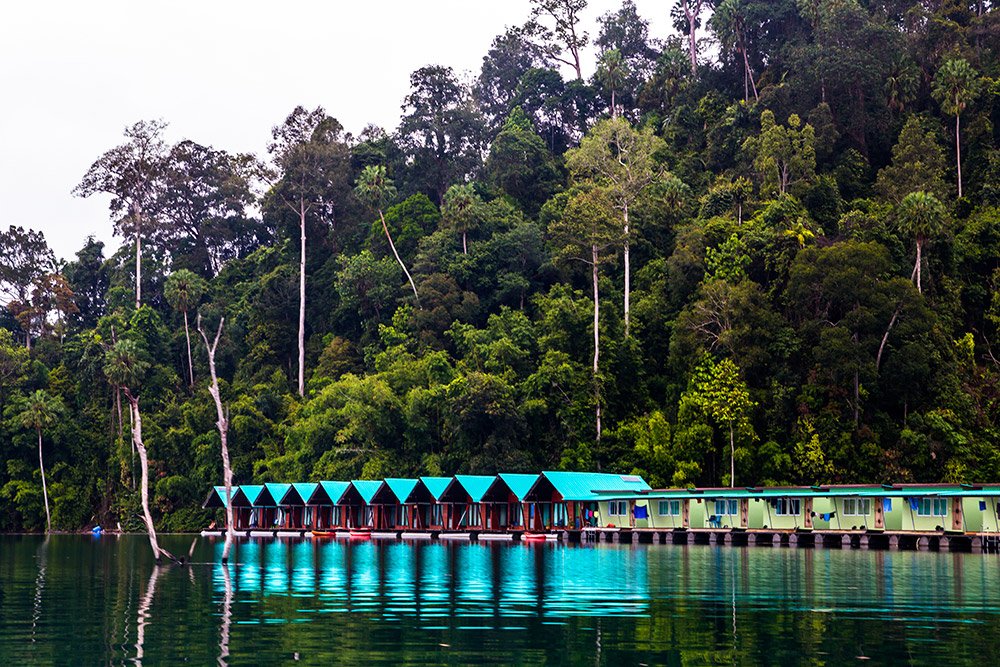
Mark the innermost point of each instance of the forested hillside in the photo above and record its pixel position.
(777, 237)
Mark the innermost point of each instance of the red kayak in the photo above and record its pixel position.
(360, 533)
(324, 533)
(534, 537)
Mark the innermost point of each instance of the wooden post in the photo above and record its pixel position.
(744, 513)
(957, 518)
(879, 513)
(686, 513)
(808, 506)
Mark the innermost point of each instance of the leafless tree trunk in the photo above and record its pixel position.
(223, 425)
(597, 343)
(138, 267)
(692, 9)
(45, 490)
(147, 517)
(392, 245)
(302, 298)
(885, 337)
(958, 152)
(732, 458)
(916, 267)
(628, 271)
(187, 337)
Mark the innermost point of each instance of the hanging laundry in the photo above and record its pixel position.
(914, 504)
(887, 504)
(640, 512)
(982, 505)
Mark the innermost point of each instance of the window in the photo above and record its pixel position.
(787, 507)
(932, 507)
(618, 508)
(727, 507)
(670, 508)
(857, 506)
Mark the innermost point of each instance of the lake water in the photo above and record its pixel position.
(83, 600)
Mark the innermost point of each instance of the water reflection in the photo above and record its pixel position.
(227, 616)
(430, 602)
(434, 580)
(145, 614)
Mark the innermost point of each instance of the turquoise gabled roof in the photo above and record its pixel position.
(436, 485)
(590, 485)
(303, 490)
(218, 494)
(335, 491)
(400, 487)
(519, 483)
(367, 488)
(277, 491)
(252, 492)
(475, 485)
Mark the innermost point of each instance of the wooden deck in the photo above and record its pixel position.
(816, 539)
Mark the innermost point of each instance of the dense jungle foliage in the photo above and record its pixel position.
(780, 231)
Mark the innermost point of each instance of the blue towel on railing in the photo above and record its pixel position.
(914, 504)
(640, 512)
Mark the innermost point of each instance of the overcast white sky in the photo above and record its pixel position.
(74, 74)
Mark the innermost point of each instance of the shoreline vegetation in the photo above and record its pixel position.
(756, 252)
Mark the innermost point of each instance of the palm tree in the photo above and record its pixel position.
(459, 210)
(39, 411)
(375, 188)
(124, 367)
(183, 291)
(612, 71)
(956, 84)
(922, 215)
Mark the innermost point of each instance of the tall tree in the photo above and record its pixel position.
(622, 160)
(719, 389)
(918, 164)
(376, 190)
(88, 278)
(555, 27)
(729, 21)
(688, 12)
(39, 411)
(521, 164)
(782, 156)
(183, 291)
(25, 258)
(922, 215)
(310, 155)
(204, 207)
(510, 57)
(441, 130)
(956, 85)
(585, 232)
(131, 173)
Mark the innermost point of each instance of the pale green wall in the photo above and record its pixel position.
(762, 514)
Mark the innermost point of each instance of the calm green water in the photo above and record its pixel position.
(81, 600)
